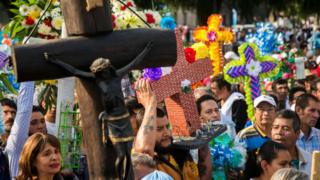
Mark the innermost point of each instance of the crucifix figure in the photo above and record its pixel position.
(116, 125)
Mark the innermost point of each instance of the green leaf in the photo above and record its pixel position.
(32, 1)
(14, 11)
(16, 30)
(7, 84)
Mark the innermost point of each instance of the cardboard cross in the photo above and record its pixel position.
(213, 35)
(181, 107)
(251, 69)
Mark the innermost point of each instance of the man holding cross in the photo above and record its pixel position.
(155, 139)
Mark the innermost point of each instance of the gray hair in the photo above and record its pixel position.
(142, 159)
(289, 173)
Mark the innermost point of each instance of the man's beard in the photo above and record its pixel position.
(163, 150)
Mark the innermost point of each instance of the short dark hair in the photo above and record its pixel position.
(268, 152)
(201, 100)
(160, 114)
(299, 82)
(291, 115)
(38, 109)
(303, 100)
(274, 98)
(278, 82)
(314, 85)
(8, 102)
(294, 90)
(221, 82)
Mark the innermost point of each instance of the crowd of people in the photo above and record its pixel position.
(278, 143)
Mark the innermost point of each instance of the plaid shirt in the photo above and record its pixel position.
(312, 143)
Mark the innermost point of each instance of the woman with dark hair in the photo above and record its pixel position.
(266, 160)
(41, 158)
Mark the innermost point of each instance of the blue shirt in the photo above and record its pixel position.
(253, 137)
(311, 143)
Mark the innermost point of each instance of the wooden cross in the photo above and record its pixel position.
(181, 107)
(213, 35)
(251, 69)
(80, 51)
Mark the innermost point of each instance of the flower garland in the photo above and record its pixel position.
(28, 13)
(252, 73)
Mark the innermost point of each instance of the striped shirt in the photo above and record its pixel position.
(19, 131)
(253, 137)
(311, 143)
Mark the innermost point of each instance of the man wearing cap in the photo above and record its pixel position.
(259, 132)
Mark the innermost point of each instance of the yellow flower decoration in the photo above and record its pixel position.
(34, 12)
(201, 49)
(213, 35)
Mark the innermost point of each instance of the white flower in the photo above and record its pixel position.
(57, 22)
(44, 29)
(185, 83)
(166, 70)
(56, 12)
(253, 68)
(24, 10)
(294, 50)
(284, 55)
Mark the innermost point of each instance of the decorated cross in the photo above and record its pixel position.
(93, 37)
(213, 35)
(251, 69)
(181, 107)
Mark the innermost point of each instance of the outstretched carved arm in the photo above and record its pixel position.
(76, 72)
(121, 72)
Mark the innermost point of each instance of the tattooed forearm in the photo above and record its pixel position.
(148, 127)
(202, 169)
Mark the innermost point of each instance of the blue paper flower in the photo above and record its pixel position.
(167, 22)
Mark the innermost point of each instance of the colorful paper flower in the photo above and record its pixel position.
(201, 49)
(186, 86)
(190, 55)
(168, 22)
(152, 73)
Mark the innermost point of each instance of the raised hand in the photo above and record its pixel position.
(146, 95)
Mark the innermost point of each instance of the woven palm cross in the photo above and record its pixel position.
(181, 106)
(251, 69)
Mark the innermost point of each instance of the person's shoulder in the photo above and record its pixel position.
(316, 131)
(247, 132)
(305, 155)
